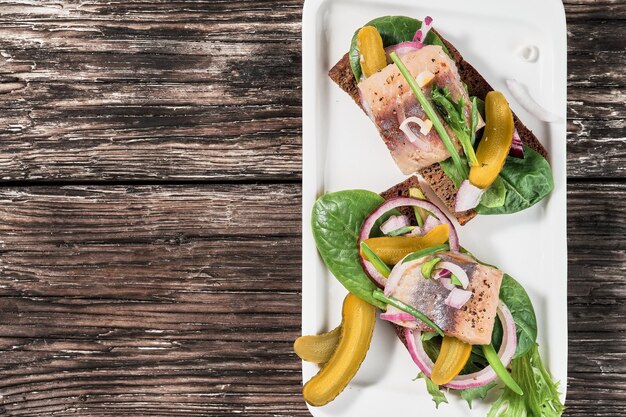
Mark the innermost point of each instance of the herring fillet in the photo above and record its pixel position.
(473, 323)
(388, 100)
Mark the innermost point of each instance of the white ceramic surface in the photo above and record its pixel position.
(342, 150)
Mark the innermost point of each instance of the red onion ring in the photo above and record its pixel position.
(446, 282)
(402, 48)
(397, 317)
(392, 203)
(394, 223)
(378, 278)
(430, 223)
(476, 379)
(457, 298)
(443, 273)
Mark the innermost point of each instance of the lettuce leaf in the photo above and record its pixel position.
(478, 393)
(433, 389)
(541, 396)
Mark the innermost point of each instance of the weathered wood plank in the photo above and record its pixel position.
(594, 9)
(184, 300)
(150, 90)
(154, 89)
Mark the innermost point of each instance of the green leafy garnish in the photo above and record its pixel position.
(497, 365)
(455, 280)
(521, 184)
(480, 106)
(430, 112)
(454, 115)
(393, 30)
(426, 336)
(474, 122)
(452, 171)
(378, 263)
(427, 267)
(336, 222)
(420, 213)
(471, 394)
(380, 296)
(425, 252)
(401, 231)
(433, 389)
(541, 397)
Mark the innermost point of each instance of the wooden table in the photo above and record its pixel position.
(150, 167)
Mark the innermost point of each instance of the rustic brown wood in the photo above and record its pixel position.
(115, 300)
(204, 90)
(183, 300)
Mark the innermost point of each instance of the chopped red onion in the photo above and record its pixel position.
(456, 270)
(430, 223)
(457, 298)
(446, 282)
(467, 197)
(394, 223)
(417, 231)
(476, 379)
(442, 273)
(517, 147)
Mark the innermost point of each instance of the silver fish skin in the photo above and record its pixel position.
(473, 323)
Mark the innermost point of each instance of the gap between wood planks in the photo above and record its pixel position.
(230, 181)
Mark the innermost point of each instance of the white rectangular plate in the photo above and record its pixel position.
(342, 150)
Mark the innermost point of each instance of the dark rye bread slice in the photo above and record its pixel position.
(441, 184)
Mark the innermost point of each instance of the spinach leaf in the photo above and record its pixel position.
(336, 221)
(514, 296)
(527, 181)
(393, 30)
(452, 171)
(495, 196)
(521, 184)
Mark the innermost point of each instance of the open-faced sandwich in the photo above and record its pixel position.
(466, 324)
(442, 120)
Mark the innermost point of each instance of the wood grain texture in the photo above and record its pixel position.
(160, 300)
(114, 300)
(211, 89)
(183, 300)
